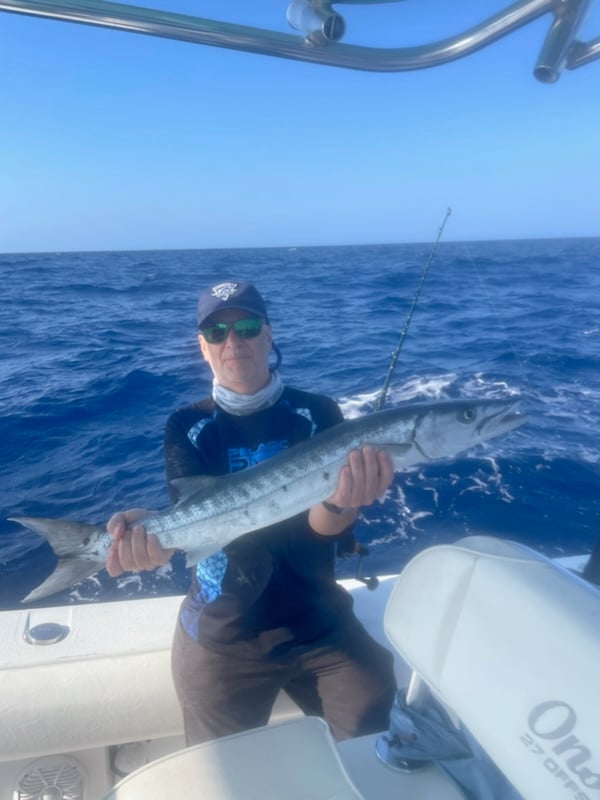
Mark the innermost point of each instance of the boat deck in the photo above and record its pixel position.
(374, 779)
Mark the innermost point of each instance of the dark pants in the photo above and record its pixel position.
(346, 678)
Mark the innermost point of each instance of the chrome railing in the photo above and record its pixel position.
(321, 29)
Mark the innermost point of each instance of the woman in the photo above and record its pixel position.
(265, 613)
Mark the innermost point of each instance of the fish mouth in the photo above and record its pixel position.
(506, 419)
(514, 419)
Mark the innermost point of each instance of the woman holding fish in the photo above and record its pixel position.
(265, 613)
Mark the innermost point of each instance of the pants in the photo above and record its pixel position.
(346, 678)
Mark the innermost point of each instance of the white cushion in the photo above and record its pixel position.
(510, 641)
(294, 760)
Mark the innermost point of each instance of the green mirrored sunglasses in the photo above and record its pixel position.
(244, 328)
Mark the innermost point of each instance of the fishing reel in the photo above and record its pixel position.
(362, 552)
(348, 546)
(371, 583)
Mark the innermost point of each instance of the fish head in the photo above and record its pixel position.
(444, 429)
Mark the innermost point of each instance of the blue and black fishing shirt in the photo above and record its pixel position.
(273, 588)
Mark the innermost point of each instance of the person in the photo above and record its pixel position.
(265, 614)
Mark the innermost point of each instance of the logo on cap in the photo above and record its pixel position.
(224, 290)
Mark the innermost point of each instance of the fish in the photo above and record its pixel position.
(213, 511)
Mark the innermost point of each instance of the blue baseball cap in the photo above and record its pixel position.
(230, 294)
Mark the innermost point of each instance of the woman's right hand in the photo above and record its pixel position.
(133, 549)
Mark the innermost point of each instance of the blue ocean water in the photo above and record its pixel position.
(98, 348)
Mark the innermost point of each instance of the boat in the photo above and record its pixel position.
(504, 638)
(496, 642)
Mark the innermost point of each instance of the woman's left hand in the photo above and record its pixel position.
(367, 476)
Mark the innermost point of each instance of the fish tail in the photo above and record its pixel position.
(70, 542)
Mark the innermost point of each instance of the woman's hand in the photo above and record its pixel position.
(366, 477)
(133, 549)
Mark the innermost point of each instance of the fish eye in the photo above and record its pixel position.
(467, 415)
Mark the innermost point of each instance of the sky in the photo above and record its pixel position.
(118, 141)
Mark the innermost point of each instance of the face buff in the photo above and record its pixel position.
(242, 404)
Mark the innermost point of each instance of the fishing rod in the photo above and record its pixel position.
(382, 395)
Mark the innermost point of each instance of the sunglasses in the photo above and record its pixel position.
(244, 328)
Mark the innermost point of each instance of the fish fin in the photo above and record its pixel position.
(67, 573)
(195, 484)
(69, 541)
(196, 554)
(65, 537)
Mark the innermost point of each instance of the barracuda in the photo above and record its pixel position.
(214, 511)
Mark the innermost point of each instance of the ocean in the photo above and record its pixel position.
(98, 349)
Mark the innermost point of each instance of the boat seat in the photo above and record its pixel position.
(295, 760)
(509, 641)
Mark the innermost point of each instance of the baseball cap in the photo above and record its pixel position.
(230, 294)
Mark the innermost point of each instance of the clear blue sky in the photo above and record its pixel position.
(113, 140)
